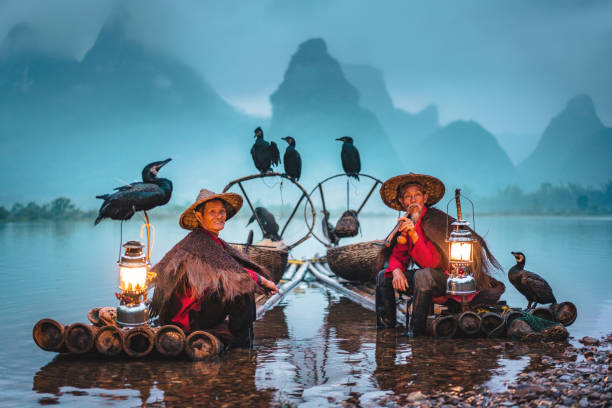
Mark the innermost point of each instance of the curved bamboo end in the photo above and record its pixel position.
(201, 345)
(48, 334)
(170, 340)
(109, 341)
(139, 341)
(79, 337)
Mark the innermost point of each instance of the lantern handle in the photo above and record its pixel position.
(459, 212)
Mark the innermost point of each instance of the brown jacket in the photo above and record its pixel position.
(200, 263)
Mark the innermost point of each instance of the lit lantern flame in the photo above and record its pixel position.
(461, 251)
(132, 279)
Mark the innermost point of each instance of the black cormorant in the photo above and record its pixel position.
(350, 157)
(265, 154)
(530, 284)
(293, 161)
(268, 223)
(152, 192)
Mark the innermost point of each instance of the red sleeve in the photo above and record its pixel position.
(425, 254)
(398, 259)
(254, 275)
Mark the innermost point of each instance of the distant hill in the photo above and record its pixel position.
(591, 161)
(464, 154)
(73, 128)
(404, 128)
(315, 103)
(568, 140)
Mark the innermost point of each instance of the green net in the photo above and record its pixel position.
(537, 323)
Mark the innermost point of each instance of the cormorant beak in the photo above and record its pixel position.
(513, 253)
(162, 164)
(340, 139)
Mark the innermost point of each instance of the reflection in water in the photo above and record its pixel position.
(298, 359)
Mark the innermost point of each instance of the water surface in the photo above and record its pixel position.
(317, 347)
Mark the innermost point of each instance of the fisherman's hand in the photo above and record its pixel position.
(400, 283)
(407, 224)
(269, 286)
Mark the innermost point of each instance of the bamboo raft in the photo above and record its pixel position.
(106, 339)
(492, 322)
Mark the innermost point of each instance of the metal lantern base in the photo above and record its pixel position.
(132, 316)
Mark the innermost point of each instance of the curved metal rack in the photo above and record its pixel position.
(320, 188)
(298, 185)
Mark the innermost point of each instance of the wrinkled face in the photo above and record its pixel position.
(413, 198)
(213, 216)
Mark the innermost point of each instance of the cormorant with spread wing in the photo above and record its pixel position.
(265, 154)
(268, 223)
(350, 157)
(293, 161)
(142, 196)
(530, 284)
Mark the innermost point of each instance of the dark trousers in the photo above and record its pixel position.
(237, 331)
(431, 281)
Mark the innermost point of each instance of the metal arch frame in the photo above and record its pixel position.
(320, 188)
(298, 185)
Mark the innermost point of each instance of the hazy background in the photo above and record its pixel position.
(483, 94)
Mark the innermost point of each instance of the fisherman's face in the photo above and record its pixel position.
(213, 216)
(413, 199)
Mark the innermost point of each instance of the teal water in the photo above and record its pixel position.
(316, 346)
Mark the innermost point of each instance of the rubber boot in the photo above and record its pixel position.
(386, 312)
(421, 308)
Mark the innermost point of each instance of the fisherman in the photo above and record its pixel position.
(424, 228)
(202, 279)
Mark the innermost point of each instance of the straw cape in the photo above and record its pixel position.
(200, 263)
(390, 189)
(436, 224)
(233, 203)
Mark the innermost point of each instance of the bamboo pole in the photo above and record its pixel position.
(109, 341)
(79, 337)
(565, 313)
(441, 326)
(492, 324)
(201, 345)
(138, 341)
(469, 323)
(170, 340)
(48, 334)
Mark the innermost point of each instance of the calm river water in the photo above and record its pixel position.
(315, 348)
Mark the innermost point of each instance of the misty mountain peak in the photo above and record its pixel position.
(581, 106)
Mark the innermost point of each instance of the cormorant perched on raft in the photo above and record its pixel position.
(350, 157)
(268, 223)
(293, 161)
(530, 284)
(152, 192)
(265, 154)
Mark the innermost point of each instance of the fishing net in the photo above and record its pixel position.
(532, 328)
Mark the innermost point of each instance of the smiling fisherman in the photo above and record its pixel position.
(423, 230)
(202, 280)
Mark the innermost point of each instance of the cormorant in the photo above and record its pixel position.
(265, 154)
(293, 161)
(530, 284)
(152, 192)
(268, 223)
(350, 157)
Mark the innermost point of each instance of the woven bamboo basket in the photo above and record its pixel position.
(275, 260)
(357, 262)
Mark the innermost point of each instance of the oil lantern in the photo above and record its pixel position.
(460, 248)
(133, 275)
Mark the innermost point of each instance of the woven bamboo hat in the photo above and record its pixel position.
(233, 201)
(390, 189)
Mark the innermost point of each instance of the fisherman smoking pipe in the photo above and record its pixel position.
(402, 239)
